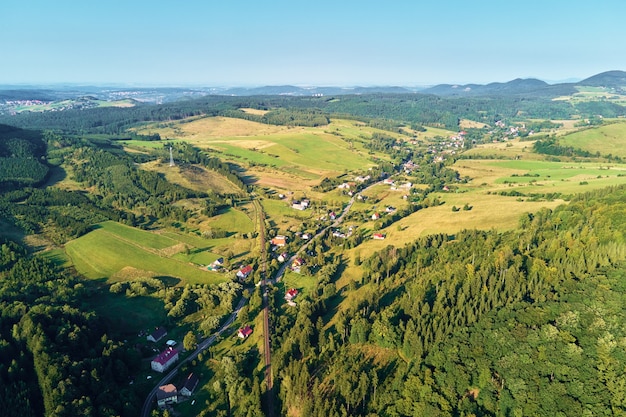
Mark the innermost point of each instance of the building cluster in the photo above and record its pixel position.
(448, 146)
(168, 394)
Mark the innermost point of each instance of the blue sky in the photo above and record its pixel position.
(314, 42)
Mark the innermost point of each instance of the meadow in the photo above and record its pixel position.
(604, 140)
(112, 251)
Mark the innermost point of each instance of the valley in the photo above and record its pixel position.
(477, 268)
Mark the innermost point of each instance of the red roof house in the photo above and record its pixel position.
(244, 332)
(244, 272)
(291, 294)
(164, 360)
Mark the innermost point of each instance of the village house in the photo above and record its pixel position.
(338, 233)
(279, 240)
(375, 216)
(190, 385)
(166, 395)
(215, 265)
(388, 181)
(378, 236)
(300, 205)
(297, 264)
(244, 332)
(291, 294)
(164, 360)
(158, 334)
(244, 272)
(283, 257)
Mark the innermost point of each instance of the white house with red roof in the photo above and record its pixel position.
(164, 360)
(244, 332)
(244, 272)
(291, 294)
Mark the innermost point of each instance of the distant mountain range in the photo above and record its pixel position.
(613, 81)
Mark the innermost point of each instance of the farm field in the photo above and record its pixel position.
(112, 249)
(539, 176)
(605, 140)
(277, 155)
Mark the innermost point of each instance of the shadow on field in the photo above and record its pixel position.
(168, 281)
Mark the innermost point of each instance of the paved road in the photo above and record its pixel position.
(147, 405)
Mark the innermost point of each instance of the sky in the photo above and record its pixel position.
(230, 43)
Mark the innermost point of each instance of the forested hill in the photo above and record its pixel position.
(21, 157)
(528, 322)
(397, 109)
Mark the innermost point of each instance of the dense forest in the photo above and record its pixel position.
(409, 109)
(481, 323)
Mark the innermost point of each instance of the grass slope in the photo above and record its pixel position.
(111, 248)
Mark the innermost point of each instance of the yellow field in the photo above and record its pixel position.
(198, 130)
(471, 124)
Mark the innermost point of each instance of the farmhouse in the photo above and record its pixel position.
(378, 236)
(158, 334)
(244, 272)
(164, 360)
(375, 216)
(190, 385)
(216, 265)
(244, 332)
(300, 205)
(166, 394)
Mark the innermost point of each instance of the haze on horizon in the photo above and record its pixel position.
(345, 43)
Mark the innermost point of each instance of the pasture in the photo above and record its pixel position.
(604, 140)
(111, 249)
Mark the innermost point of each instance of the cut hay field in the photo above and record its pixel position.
(112, 248)
(605, 140)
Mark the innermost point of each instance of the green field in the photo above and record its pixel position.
(231, 220)
(110, 249)
(147, 239)
(605, 140)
